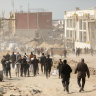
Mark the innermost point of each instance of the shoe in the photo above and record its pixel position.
(81, 89)
(67, 92)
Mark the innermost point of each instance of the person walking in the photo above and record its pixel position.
(31, 57)
(8, 68)
(65, 53)
(18, 66)
(3, 60)
(13, 59)
(48, 66)
(7, 56)
(42, 61)
(18, 56)
(65, 75)
(82, 69)
(23, 66)
(28, 65)
(35, 62)
(91, 50)
(59, 67)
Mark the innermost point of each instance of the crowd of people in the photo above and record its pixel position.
(85, 51)
(79, 51)
(26, 64)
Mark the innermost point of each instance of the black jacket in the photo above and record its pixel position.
(13, 57)
(48, 63)
(35, 62)
(60, 64)
(65, 71)
(8, 65)
(42, 59)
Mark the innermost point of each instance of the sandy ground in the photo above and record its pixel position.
(41, 86)
(89, 59)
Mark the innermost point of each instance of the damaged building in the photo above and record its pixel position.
(80, 28)
(32, 24)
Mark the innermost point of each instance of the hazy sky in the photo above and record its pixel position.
(56, 6)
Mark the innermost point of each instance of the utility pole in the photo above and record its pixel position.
(2, 23)
(37, 13)
(28, 17)
(12, 5)
(12, 21)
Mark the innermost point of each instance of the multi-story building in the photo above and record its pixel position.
(41, 20)
(80, 28)
(30, 24)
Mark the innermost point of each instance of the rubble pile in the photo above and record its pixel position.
(12, 90)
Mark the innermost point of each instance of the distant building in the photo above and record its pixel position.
(58, 24)
(30, 24)
(80, 28)
(41, 20)
(4, 27)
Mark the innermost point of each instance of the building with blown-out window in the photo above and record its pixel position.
(80, 28)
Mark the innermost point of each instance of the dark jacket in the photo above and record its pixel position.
(35, 62)
(23, 63)
(18, 56)
(65, 71)
(82, 70)
(13, 57)
(7, 57)
(48, 63)
(8, 67)
(60, 64)
(3, 61)
(43, 59)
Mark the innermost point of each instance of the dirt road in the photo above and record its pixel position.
(40, 86)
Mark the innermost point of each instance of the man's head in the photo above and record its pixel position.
(42, 53)
(32, 53)
(82, 60)
(48, 55)
(17, 52)
(35, 56)
(13, 53)
(65, 61)
(60, 60)
(24, 57)
(4, 56)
